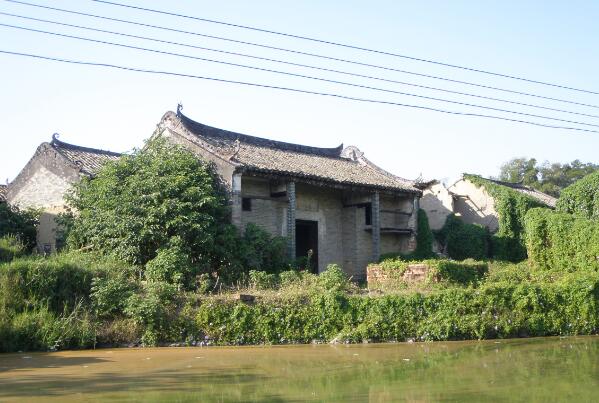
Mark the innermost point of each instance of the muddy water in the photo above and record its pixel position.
(547, 369)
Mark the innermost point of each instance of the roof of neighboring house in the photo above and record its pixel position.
(341, 165)
(89, 160)
(3, 189)
(544, 198)
(535, 194)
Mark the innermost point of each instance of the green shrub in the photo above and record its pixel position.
(581, 198)
(137, 205)
(562, 241)
(11, 247)
(497, 310)
(463, 241)
(109, 294)
(62, 279)
(19, 223)
(171, 265)
(40, 329)
(261, 251)
(154, 308)
(511, 206)
(333, 279)
(262, 280)
(466, 272)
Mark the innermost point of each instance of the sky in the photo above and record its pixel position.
(112, 109)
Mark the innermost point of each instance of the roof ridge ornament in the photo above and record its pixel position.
(352, 153)
(55, 138)
(179, 108)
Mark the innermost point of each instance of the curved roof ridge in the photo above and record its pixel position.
(203, 130)
(61, 144)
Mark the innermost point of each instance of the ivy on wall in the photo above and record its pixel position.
(581, 198)
(511, 206)
(561, 241)
(463, 241)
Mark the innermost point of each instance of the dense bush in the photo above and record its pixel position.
(511, 206)
(11, 247)
(463, 241)
(19, 223)
(55, 282)
(562, 241)
(495, 310)
(258, 250)
(581, 198)
(135, 206)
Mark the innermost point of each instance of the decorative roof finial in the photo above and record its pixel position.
(179, 108)
(54, 138)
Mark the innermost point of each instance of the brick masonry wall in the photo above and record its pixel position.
(377, 276)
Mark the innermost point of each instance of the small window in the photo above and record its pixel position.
(368, 214)
(246, 204)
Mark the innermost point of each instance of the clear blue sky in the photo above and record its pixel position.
(543, 40)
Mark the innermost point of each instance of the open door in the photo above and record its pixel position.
(306, 242)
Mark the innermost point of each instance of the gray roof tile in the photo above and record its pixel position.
(89, 160)
(269, 156)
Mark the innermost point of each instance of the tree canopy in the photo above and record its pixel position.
(160, 197)
(547, 177)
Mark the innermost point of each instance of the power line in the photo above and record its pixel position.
(307, 38)
(297, 90)
(294, 75)
(296, 64)
(386, 68)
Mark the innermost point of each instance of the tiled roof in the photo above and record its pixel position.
(3, 189)
(89, 160)
(535, 194)
(269, 156)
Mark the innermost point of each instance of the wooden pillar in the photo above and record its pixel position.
(236, 200)
(291, 219)
(376, 227)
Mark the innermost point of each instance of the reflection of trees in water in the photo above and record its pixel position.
(533, 369)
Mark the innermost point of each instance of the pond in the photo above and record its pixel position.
(541, 369)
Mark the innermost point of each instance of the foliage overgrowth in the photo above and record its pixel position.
(581, 198)
(562, 241)
(511, 206)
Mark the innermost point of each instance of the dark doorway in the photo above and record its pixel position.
(306, 243)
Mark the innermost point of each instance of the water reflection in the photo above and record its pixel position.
(543, 369)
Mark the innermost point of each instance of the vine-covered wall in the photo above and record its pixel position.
(561, 241)
(581, 198)
(511, 206)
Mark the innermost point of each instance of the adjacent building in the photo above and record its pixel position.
(43, 182)
(330, 203)
(470, 201)
(475, 205)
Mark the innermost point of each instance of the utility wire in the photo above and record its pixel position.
(295, 64)
(302, 53)
(294, 74)
(307, 38)
(297, 90)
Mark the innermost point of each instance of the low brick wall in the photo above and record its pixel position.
(414, 273)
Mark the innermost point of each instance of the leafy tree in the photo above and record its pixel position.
(520, 170)
(547, 177)
(138, 206)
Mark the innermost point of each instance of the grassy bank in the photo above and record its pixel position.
(55, 303)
